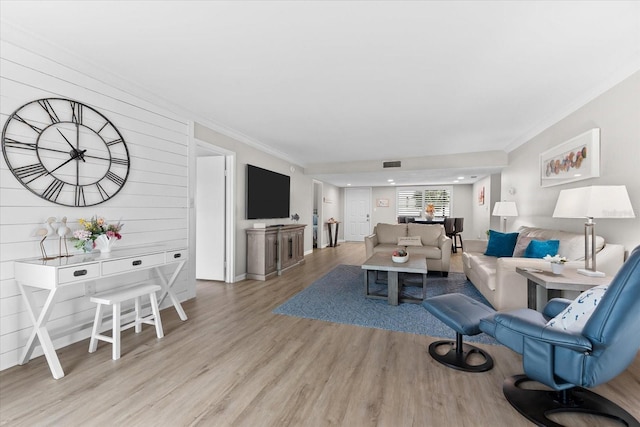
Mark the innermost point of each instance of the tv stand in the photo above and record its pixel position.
(273, 250)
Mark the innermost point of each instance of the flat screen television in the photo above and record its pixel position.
(267, 194)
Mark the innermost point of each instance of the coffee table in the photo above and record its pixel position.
(553, 284)
(382, 262)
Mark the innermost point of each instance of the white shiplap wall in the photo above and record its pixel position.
(153, 205)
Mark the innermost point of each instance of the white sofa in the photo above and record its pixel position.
(497, 280)
(435, 246)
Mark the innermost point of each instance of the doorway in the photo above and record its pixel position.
(210, 216)
(212, 252)
(357, 212)
(317, 215)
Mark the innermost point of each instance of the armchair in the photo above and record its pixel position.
(568, 361)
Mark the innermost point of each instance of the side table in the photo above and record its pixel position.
(333, 241)
(569, 280)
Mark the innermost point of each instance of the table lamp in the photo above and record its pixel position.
(597, 201)
(505, 209)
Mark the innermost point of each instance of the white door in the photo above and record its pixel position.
(210, 218)
(357, 214)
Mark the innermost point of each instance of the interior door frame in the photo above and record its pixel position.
(230, 219)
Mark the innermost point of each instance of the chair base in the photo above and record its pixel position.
(535, 405)
(458, 354)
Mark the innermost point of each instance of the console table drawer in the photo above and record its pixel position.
(131, 264)
(78, 274)
(179, 255)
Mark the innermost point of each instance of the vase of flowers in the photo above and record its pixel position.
(96, 234)
(557, 263)
(430, 211)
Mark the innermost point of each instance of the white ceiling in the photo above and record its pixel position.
(328, 83)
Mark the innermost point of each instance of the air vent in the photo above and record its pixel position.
(396, 164)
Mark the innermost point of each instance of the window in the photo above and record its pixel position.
(411, 201)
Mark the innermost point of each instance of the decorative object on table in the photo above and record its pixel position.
(597, 201)
(557, 263)
(46, 231)
(65, 152)
(62, 231)
(505, 209)
(295, 217)
(400, 256)
(96, 233)
(574, 160)
(430, 211)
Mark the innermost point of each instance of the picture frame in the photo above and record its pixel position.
(574, 160)
(382, 203)
(481, 196)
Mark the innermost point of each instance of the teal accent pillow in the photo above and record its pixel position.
(501, 244)
(541, 248)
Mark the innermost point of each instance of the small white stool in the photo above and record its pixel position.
(115, 298)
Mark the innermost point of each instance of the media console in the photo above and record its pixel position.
(273, 250)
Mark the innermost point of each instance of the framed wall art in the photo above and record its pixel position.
(573, 160)
(481, 196)
(382, 203)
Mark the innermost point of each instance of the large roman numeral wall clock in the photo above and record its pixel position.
(65, 152)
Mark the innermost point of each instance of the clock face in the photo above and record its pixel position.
(65, 152)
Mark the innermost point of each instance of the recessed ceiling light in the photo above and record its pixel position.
(390, 180)
(348, 185)
(461, 177)
(392, 183)
(455, 180)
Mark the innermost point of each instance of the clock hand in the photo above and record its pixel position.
(73, 157)
(70, 145)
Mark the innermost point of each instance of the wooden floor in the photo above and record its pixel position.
(235, 363)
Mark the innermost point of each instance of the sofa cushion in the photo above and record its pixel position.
(429, 234)
(409, 241)
(501, 244)
(521, 245)
(485, 269)
(542, 248)
(571, 244)
(428, 252)
(389, 233)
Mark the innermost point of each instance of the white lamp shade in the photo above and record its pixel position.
(505, 209)
(598, 201)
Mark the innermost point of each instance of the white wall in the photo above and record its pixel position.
(462, 207)
(617, 114)
(153, 205)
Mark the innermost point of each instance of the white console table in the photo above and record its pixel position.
(84, 268)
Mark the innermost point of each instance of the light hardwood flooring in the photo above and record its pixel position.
(234, 362)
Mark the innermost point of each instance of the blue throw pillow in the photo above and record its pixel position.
(541, 248)
(501, 244)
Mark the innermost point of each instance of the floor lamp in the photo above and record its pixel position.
(598, 201)
(504, 209)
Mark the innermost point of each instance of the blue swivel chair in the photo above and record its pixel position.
(569, 361)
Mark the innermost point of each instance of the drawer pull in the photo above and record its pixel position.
(137, 262)
(177, 255)
(78, 273)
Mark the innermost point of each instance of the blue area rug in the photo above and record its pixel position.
(339, 297)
